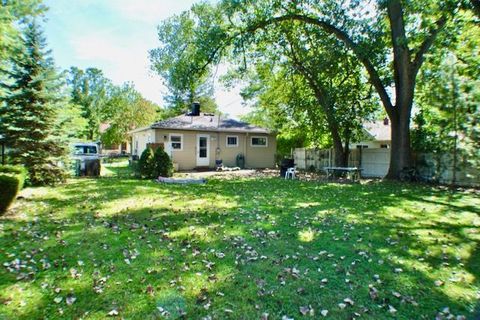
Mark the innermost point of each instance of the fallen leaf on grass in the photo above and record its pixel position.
(439, 283)
(149, 290)
(373, 292)
(307, 310)
(113, 313)
(70, 299)
(391, 309)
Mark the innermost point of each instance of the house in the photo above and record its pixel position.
(116, 149)
(377, 134)
(198, 140)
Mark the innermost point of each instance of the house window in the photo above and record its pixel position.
(384, 146)
(259, 142)
(232, 141)
(176, 141)
(359, 146)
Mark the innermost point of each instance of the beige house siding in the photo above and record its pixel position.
(140, 140)
(261, 157)
(229, 154)
(255, 157)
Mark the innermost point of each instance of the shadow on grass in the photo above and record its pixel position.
(257, 225)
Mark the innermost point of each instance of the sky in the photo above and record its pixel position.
(115, 36)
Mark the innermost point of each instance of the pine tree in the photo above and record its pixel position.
(28, 109)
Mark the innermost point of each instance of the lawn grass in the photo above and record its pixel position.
(239, 249)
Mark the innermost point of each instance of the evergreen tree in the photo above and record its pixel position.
(28, 109)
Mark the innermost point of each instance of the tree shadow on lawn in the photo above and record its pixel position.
(288, 223)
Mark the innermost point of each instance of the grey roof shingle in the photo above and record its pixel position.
(207, 122)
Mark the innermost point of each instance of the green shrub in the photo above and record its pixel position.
(146, 164)
(46, 174)
(10, 185)
(163, 164)
(18, 171)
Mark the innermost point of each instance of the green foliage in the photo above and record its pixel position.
(448, 98)
(19, 171)
(120, 108)
(29, 109)
(319, 91)
(180, 60)
(12, 179)
(163, 164)
(146, 164)
(12, 14)
(125, 110)
(10, 185)
(90, 91)
(70, 124)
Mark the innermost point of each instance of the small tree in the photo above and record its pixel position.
(146, 164)
(29, 109)
(163, 164)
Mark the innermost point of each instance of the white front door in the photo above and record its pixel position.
(203, 150)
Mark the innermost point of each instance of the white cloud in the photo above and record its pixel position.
(120, 48)
(150, 11)
(122, 59)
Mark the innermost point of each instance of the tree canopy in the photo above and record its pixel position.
(389, 39)
(29, 109)
(184, 82)
(120, 108)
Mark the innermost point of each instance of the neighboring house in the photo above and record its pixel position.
(122, 148)
(377, 134)
(198, 140)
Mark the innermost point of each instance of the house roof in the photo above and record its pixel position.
(379, 130)
(205, 122)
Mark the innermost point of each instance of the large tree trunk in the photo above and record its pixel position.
(341, 157)
(404, 75)
(400, 152)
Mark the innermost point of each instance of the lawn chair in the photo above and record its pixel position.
(290, 173)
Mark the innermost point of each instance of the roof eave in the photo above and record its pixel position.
(211, 129)
(140, 129)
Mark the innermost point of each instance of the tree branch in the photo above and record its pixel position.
(427, 43)
(342, 36)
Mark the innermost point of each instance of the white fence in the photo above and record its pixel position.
(307, 159)
(375, 163)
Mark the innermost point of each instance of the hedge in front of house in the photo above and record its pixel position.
(12, 179)
(163, 166)
(146, 164)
